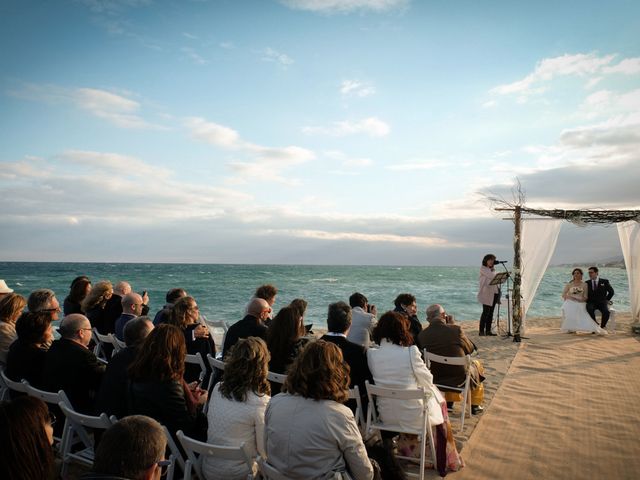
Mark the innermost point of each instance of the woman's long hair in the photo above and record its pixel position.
(25, 452)
(286, 328)
(78, 289)
(320, 373)
(98, 296)
(394, 327)
(161, 356)
(11, 306)
(245, 370)
(178, 316)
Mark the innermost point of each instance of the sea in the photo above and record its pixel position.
(222, 291)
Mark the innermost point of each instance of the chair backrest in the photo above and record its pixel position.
(13, 385)
(117, 344)
(215, 363)
(276, 377)
(87, 421)
(354, 394)
(53, 398)
(196, 359)
(100, 341)
(432, 357)
(218, 324)
(196, 452)
(175, 455)
(375, 391)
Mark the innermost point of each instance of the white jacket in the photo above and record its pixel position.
(393, 366)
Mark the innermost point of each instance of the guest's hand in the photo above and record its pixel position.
(201, 396)
(201, 331)
(145, 298)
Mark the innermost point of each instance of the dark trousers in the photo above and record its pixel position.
(604, 309)
(487, 315)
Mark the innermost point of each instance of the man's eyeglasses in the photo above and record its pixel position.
(51, 310)
(164, 466)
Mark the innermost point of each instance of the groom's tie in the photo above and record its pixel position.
(593, 285)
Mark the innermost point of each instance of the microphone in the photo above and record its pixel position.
(501, 261)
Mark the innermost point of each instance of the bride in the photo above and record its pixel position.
(574, 309)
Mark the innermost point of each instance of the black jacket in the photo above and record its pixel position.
(249, 326)
(25, 362)
(111, 398)
(603, 292)
(75, 369)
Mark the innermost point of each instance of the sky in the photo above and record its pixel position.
(311, 131)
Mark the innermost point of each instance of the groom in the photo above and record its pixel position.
(599, 292)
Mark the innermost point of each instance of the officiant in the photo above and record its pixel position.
(488, 295)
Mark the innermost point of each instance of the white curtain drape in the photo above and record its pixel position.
(538, 240)
(629, 233)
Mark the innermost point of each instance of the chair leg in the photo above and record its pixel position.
(423, 447)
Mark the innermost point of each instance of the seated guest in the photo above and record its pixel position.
(309, 433)
(4, 289)
(237, 406)
(44, 300)
(338, 323)
(11, 306)
(157, 387)
(131, 308)
(172, 297)
(133, 448)
(94, 305)
(111, 398)
(26, 439)
(113, 309)
(406, 305)
(285, 341)
(70, 366)
(80, 288)
(252, 325)
(267, 292)
(397, 363)
(363, 319)
(449, 340)
(186, 315)
(26, 356)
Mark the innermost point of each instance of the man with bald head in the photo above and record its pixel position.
(131, 308)
(114, 304)
(69, 365)
(252, 325)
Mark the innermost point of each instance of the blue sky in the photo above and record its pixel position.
(310, 131)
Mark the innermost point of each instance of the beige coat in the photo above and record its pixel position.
(486, 291)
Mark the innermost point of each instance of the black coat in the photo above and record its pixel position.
(249, 326)
(75, 369)
(165, 402)
(25, 361)
(111, 398)
(603, 292)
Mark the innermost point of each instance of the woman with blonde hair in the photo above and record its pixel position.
(94, 307)
(309, 432)
(11, 306)
(237, 406)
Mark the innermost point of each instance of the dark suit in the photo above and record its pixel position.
(25, 362)
(249, 326)
(205, 346)
(448, 341)
(415, 327)
(111, 398)
(356, 357)
(121, 322)
(73, 368)
(598, 299)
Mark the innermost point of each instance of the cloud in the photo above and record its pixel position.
(581, 65)
(124, 165)
(194, 56)
(372, 126)
(628, 66)
(416, 165)
(348, 162)
(362, 237)
(261, 162)
(271, 55)
(112, 6)
(356, 88)
(345, 6)
(116, 109)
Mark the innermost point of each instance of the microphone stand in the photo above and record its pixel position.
(508, 334)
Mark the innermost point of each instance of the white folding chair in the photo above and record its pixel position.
(20, 387)
(53, 398)
(374, 422)
(77, 433)
(215, 363)
(174, 456)
(212, 325)
(197, 451)
(117, 344)
(196, 359)
(276, 377)
(465, 389)
(354, 394)
(100, 341)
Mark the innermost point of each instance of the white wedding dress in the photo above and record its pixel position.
(574, 311)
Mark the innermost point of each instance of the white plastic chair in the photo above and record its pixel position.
(465, 389)
(354, 394)
(77, 433)
(276, 377)
(215, 363)
(20, 387)
(216, 324)
(52, 398)
(174, 457)
(101, 340)
(196, 359)
(117, 344)
(197, 451)
(374, 422)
